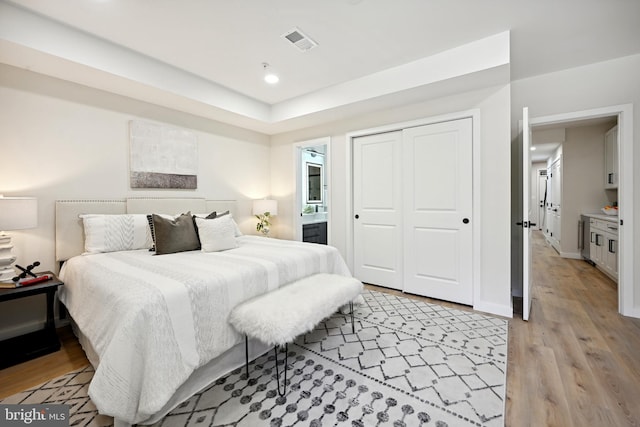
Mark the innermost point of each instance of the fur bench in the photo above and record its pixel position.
(278, 317)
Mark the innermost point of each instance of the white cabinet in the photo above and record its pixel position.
(611, 158)
(597, 242)
(610, 255)
(604, 246)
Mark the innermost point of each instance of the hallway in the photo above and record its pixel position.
(577, 361)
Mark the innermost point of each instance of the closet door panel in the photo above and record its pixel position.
(438, 221)
(434, 162)
(377, 201)
(436, 245)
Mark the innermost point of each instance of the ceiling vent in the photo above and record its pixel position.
(300, 40)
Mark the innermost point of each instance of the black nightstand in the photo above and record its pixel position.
(35, 344)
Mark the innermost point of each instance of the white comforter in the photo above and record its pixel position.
(154, 319)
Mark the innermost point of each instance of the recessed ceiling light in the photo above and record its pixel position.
(269, 76)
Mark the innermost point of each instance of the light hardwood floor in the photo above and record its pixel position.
(575, 363)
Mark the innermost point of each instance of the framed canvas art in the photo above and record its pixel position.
(162, 156)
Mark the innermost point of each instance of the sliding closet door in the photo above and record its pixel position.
(437, 182)
(377, 202)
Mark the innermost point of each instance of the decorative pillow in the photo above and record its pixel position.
(110, 233)
(175, 235)
(207, 216)
(152, 229)
(216, 234)
(236, 229)
(153, 233)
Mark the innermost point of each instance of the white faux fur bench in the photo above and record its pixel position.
(278, 317)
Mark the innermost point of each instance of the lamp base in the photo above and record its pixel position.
(6, 259)
(7, 274)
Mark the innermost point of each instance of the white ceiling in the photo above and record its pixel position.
(225, 42)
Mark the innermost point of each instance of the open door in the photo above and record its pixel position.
(526, 197)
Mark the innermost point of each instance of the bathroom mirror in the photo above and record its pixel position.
(314, 183)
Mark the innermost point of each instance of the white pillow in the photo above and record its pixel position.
(215, 214)
(236, 229)
(216, 234)
(110, 233)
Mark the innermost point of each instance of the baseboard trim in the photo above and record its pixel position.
(634, 312)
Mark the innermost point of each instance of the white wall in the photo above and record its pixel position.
(597, 85)
(494, 289)
(60, 140)
(582, 181)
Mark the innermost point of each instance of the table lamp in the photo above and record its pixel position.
(264, 209)
(16, 213)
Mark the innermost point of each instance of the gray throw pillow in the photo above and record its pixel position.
(175, 235)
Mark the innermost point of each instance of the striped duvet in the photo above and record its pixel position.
(154, 319)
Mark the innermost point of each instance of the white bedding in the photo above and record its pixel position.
(154, 319)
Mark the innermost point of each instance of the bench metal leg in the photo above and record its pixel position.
(353, 325)
(286, 359)
(246, 355)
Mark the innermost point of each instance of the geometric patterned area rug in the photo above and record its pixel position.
(410, 363)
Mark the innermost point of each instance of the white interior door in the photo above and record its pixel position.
(377, 203)
(438, 223)
(526, 196)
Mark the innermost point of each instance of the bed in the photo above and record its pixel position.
(155, 326)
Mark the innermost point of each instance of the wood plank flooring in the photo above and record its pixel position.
(576, 363)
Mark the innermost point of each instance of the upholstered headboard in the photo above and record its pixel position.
(70, 231)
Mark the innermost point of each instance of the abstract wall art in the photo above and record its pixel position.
(162, 156)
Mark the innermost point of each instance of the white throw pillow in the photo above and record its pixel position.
(215, 214)
(236, 229)
(110, 233)
(216, 234)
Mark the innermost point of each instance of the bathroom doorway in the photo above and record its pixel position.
(312, 201)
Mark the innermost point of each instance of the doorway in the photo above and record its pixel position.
(620, 115)
(312, 202)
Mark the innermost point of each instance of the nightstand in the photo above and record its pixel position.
(34, 344)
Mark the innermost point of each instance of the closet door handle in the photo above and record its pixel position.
(465, 221)
(357, 216)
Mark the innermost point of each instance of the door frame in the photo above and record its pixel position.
(474, 114)
(526, 209)
(624, 113)
(299, 191)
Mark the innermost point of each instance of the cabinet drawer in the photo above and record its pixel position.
(602, 225)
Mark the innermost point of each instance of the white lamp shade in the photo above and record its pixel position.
(17, 213)
(265, 205)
